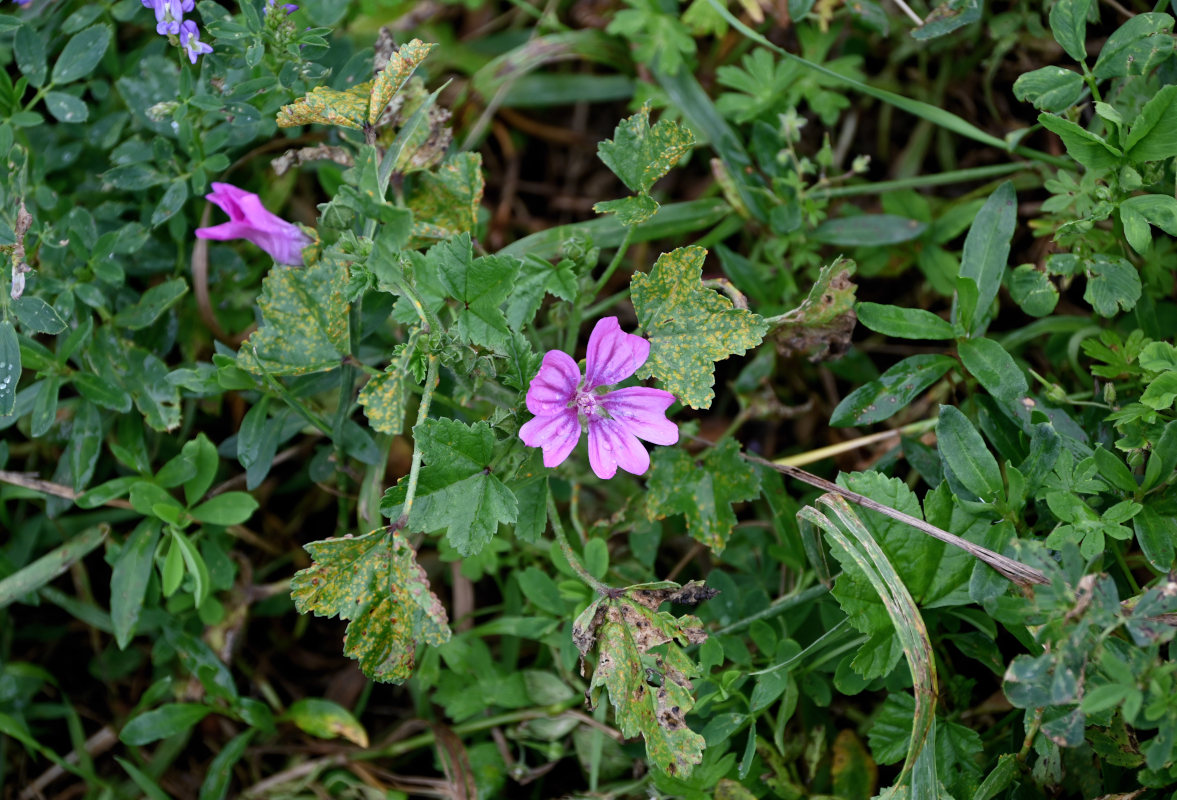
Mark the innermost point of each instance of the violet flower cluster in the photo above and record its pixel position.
(249, 219)
(169, 20)
(615, 420)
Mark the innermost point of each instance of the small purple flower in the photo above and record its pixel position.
(290, 8)
(169, 14)
(615, 420)
(190, 40)
(249, 219)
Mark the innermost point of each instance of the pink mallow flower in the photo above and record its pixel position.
(249, 219)
(561, 401)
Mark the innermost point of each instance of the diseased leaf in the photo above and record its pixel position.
(395, 74)
(640, 154)
(642, 665)
(821, 326)
(1137, 47)
(689, 326)
(304, 321)
(346, 109)
(457, 491)
(373, 581)
(1051, 89)
(891, 392)
(629, 210)
(1033, 290)
(384, 400)
(702, 489)
(1112, 283)
(445, 201)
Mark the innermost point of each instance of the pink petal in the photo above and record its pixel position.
(557, 434)
(249, 219)
(224, 231)
(613, 355)
(611, 445)
(554, 386)
(642, 412)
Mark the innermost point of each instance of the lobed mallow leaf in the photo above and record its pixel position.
(346, 109)
(480, 285)
(373, 581)
(689, 326)
(395, 75)
(703, 490)
(640, 154)
(304, 321)
(445, 202)
(642, 664)
(456, 492)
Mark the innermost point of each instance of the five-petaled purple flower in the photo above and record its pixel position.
(615, 420)
(249, 219)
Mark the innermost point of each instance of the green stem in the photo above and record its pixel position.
(918, 181)
(566, 548)
(614, 264)
(290, 399)
(610, 301)
(422, 415)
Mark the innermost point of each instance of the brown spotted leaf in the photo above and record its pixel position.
(375, 582)
(689, 326)
(821, 326)
(642, 665)
(346, 109)
(304, 321)
(399, 68)
(384, 397)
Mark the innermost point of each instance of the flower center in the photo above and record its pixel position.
(586, 403)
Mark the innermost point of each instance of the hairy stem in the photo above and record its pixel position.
(422, 415)
(569, 553)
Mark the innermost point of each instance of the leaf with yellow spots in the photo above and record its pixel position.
(639, 154)
(642, 665)
(389, 80)
(456, 492)
(383, 399)
(689, 326)
(346, 109)
(304, 321)
(445, 203)
(702, 489)
(373, 581)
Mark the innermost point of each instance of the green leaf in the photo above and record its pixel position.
(869, 230)
(390, 80)
(162, 722)
(66, 108)
(81, 54)
(629, 210)
(230, 508)
(37, 315)
(100, 392)
(172, 201)
(891, 392)
(689, 326)
(1033, 290)
(445, 201)
(1068, 23)
(325, 719)
(903, 323)
(702, 489)
(375, 582)
(203, 455)
(1156, 533)
(480, 285)
(1052, 89)
(33, 576)
(1082, 145)
(1137, 47)
(640, 154)
(456, 492)
(995, 369)
(1161, 391)
(1112, 283)
(152, 304)
(84, 445)
(220, 769)
(1138, 212)
(304, 321)
(986, 249)
(634, 638)
(1154, 133)
(9, 367)
(947, 17)
(538, 277)
(129, 579)
(965, 453)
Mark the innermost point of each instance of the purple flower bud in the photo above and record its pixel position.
(249, 219)
(616, 420)
(190, 40)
